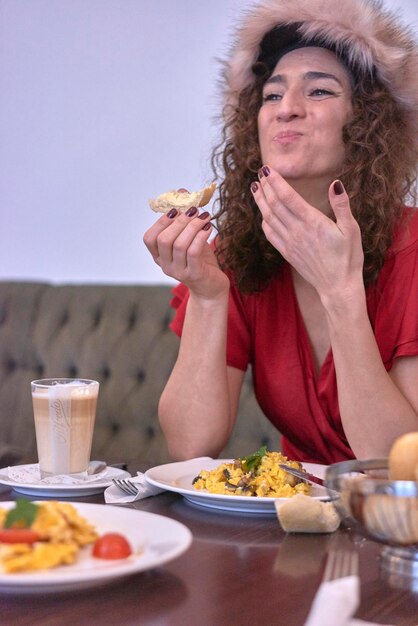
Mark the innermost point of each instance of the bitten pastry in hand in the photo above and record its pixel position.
(182, 200)
(303, 514)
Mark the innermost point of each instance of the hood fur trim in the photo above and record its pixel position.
(373, 39)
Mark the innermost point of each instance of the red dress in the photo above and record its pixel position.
(267, 331)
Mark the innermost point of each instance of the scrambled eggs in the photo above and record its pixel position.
(62, 532)
(256, 475)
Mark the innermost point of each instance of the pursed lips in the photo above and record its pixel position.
(287, 136)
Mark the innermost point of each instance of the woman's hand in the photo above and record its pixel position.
(327, 254)
(178, 243)
(197, 408)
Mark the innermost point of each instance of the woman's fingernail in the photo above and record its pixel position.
(204, 215)
(265, 170)
(254, 187)
(260, 173)
(207, 226)
(172, 213)
(192, 211)
(338, 188)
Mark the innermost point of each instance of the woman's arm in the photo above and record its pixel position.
(375, 406)
(199, 403)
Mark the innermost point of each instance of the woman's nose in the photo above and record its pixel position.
(291, 106)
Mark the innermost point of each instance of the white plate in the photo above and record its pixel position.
(179, 477)
(155, 538)
(62, 491)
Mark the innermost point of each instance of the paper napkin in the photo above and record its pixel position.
(335, 603)
(114, 495)
(31, 475)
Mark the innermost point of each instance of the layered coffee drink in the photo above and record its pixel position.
(64, 412)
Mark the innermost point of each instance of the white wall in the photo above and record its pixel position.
(104, 104)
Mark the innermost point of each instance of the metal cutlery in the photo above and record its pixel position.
(308, 477)
(126, 486)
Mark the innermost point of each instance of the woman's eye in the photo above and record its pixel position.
(321, 92)
(271, 97)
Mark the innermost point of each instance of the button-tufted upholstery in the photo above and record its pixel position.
(116, 334)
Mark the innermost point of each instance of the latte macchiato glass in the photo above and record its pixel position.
(64, 411)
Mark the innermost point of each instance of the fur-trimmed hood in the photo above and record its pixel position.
(373, 39)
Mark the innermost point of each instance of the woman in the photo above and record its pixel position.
(313, 276)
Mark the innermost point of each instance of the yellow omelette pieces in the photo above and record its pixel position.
(63, 532)
(267, 480)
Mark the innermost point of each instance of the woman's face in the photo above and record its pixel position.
(306, 103)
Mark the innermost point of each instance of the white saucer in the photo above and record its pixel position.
(61, 490)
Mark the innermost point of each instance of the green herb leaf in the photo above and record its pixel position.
(22, 515)
(252, 461)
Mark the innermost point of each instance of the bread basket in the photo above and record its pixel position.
(381, 509)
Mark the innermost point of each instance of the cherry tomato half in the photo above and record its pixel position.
(111, 546)
(18, 535)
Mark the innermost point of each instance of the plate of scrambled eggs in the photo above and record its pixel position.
(62, 559)
(232, 485)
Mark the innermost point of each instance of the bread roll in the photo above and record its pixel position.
(392, 518)
(182, 200)
(304, 514)
(403, 458)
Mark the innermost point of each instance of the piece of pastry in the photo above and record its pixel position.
(181, 199)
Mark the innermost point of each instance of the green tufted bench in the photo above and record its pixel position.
(116, 334)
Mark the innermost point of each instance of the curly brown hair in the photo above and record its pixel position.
(379, 174)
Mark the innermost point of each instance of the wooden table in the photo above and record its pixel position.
(240, 570)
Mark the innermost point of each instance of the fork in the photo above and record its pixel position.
(340, 563)
(332, 606)
(126, 485)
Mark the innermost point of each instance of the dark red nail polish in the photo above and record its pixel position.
(265, 170)
(260, 173)
(172, 213)
(192, 211)
(204, 215)
(254, 187)
(338, 188)
(207, 226)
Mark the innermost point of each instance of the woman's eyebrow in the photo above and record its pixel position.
(277, 78)
(312, 75)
